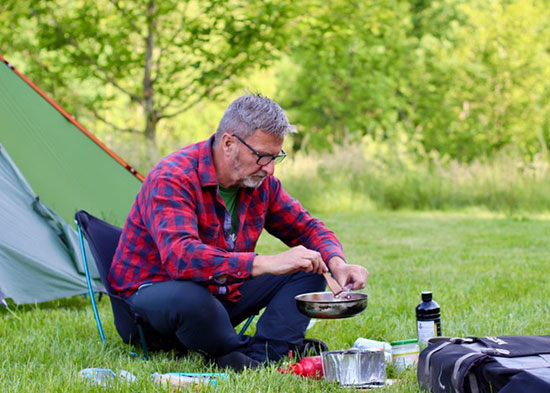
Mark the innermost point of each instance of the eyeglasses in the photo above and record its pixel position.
(263, 159)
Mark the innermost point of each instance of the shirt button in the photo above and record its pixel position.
(210, 277)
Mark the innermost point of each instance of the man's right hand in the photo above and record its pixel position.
(291, 261)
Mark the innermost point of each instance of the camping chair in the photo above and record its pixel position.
(103, 240)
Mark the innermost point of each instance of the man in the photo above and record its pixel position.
(186, 257)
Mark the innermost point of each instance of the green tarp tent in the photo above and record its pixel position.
(39, 253)
(55, 159)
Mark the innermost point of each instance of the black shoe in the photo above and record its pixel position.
(310, 347)
(236, 361)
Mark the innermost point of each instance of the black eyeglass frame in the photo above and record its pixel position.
(277, 158)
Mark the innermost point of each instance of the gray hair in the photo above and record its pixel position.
(253, 112)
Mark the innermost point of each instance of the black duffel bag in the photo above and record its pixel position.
(504, 364)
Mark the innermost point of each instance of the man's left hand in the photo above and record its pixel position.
(348, 276)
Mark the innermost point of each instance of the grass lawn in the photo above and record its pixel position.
(489, 274)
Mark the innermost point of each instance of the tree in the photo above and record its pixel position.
(484, 84)
(160, 57)
(467, 78)
(352, 61)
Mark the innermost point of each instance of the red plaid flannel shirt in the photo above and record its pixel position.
(179, 227)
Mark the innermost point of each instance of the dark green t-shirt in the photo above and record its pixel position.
(231, 197)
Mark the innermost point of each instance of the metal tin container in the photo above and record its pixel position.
(355, 368)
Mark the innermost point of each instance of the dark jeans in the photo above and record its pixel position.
(205, 323)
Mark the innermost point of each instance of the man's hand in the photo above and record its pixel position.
(291, 261)
(349, 276)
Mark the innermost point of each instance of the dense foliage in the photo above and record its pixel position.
(465, 78)
(462, 78)
(155, 58)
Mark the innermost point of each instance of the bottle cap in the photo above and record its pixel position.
(427, 296)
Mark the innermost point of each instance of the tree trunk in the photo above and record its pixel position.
(151, 115)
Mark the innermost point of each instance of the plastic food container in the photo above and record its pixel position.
(355, 368)
(405, 353)
(365, 343)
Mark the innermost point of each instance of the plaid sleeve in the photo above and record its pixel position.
(169, 213)
(289, 221)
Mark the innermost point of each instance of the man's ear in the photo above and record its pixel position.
(228, 144)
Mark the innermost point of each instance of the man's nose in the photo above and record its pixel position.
(269, 168)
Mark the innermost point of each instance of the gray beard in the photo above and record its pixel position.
(252, 183)
(248, 181)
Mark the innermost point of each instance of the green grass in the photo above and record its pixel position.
(393, 178)
(488, 272)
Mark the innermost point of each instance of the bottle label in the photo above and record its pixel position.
(426, 330)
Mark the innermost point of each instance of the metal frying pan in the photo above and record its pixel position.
(326, 305)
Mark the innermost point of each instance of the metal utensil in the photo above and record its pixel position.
(327, 306)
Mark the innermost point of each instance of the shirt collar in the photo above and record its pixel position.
(207, 171)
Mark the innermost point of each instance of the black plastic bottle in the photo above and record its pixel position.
(428, 319)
